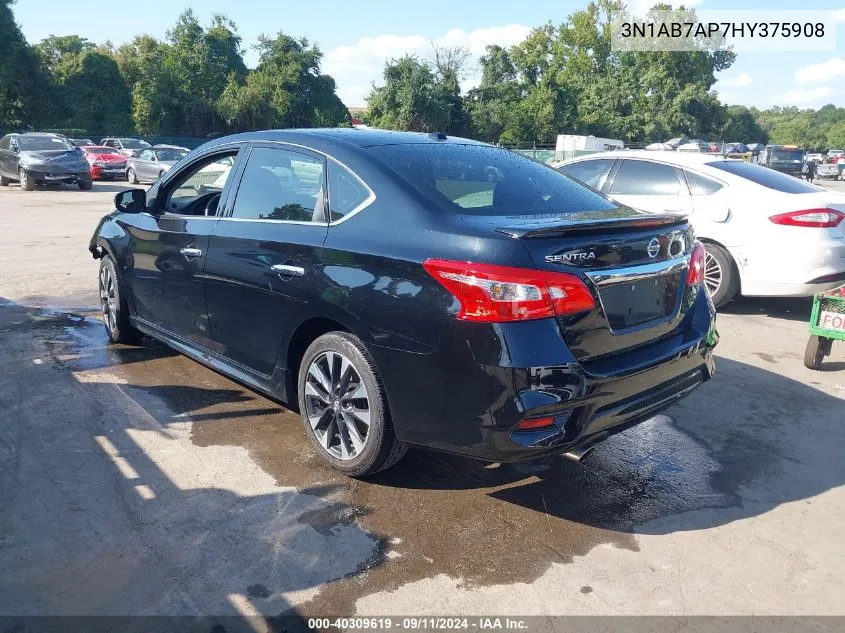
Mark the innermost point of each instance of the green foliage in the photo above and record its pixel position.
(285, 90)
(411, 99)
(811, 129)
(561, 79)
(194, 83)
(22, 80)
(741, 125)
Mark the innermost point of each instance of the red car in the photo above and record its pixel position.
(106, 162)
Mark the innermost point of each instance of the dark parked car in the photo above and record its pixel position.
(82, 142)
(787, 159)
(384, 284)
(36, 158)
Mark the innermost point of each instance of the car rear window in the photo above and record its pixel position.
(764, 176)
(484, 180)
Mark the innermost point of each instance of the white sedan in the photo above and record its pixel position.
(766, 234)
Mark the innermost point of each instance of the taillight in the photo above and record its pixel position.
(494, 294)
(695, 275)
(533, 424)
(814, 218)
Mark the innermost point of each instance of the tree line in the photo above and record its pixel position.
(193, 83)
(561, 79)
(566, 79)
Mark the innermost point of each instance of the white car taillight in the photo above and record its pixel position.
(813, 218)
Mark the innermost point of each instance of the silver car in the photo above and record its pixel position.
(150, 164)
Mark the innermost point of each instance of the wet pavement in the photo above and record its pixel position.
(136, 481)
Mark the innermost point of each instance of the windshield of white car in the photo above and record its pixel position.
(170, 154)
(133, 143)
(764, 176)
(43, 143)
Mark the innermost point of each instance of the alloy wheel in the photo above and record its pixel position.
(713, 274)
(337, 405)
(108, 298)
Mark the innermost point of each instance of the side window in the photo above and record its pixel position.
(346, 192)
(108, 142)
(644, 178)
(700, 185)
(13, 144)
(146, 155)
(280, 184)
(591, 172)
(198, 184)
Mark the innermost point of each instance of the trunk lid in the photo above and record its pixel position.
(634, 263)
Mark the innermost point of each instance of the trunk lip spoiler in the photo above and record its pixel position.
(548, 229)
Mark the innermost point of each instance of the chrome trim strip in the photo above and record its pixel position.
(638, 272)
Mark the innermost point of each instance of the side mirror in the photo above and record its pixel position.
(131, 201)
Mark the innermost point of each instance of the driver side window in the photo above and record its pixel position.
(199, 186)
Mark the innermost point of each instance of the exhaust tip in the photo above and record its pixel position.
(577, 454)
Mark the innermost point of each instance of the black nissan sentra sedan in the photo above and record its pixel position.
(386, 284)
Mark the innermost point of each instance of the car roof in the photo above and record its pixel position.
(165, 146)
(323, 137)
(40, 134)
(688, 159)
(97, 147)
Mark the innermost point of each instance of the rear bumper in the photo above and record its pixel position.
(469, 396)
(766, 272)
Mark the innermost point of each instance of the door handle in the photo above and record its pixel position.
(190, 253)
(287, 269)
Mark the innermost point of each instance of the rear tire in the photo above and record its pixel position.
(26, 180)
(4, 182)
(113, 305)
(85, 185)
(344, 407)
(720, 275)
(131, 176)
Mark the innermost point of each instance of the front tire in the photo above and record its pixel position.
(113, 305)
(4, 182)
(26, 180)
(85, 185)
(344, 407)
(131, 176)
(720, 275)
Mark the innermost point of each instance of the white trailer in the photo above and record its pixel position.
(569, 145)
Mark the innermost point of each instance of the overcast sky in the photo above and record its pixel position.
(357, 41)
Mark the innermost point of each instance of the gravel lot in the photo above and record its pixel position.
(135, 481)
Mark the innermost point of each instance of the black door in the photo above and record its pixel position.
(169, 249)
(8, 158)
(262, 256)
